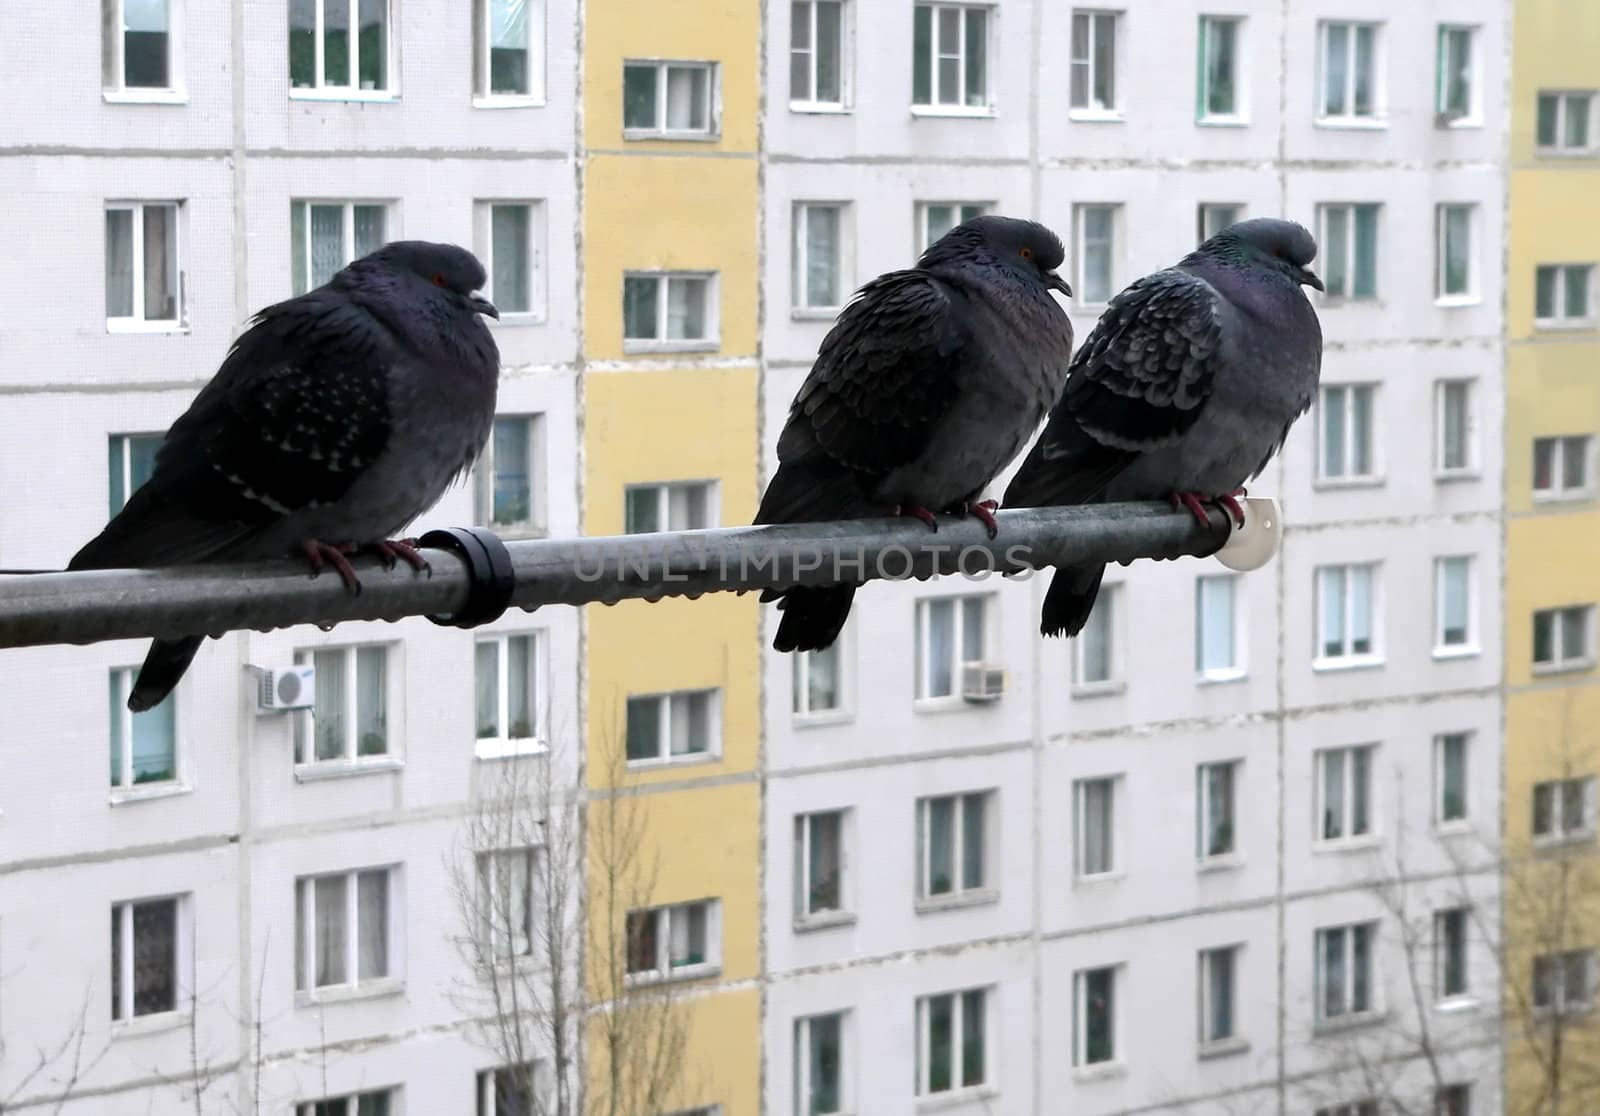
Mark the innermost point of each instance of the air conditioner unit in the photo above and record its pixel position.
(290, 687)
(981, 682)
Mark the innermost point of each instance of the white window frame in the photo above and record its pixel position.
(1561, 319)
(1348, 657)
(663, 344)
(182, 960)
(958, 1086)
(484, 476)
(504, 745)
(1207, 994)
(664, 971)
(846, 60)
(488, 1103)
(1238, 668)
(1106, 613)
(1347, 395)
(114, 85)
(482, 94)
(353, 1101)
(483, 210)
(495, 931)
(1560, 490)
(1472, 116)
(1205, 806)
(924, 211)
(125, 788)
(347, 208)
(1471, 295)
(1564, 98)
(1441, 649)
(320, 90)
(803, 664)
(1352, 257)
(1565, 832)
(805, 1098)
(1347, 838)
(986, 889)
(1204, 213)
(1080, 257)
(1091, 110)
(1441, 744)
(664, 492)
(1469, 434)
(843, 282)
(1374, 983)
(1112, 843)
(925, 698)
(659, 130)
(1461, 918)
(306, 764)
(804, 852)
(122, 469)
(1350, 118)
(1080, 1020)
(1561, 661)
(307, 990)
(1560, 1006)
(664, 756)
(935, 107)
(137, 322)
(1241, 85)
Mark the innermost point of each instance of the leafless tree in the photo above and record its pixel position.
(52, 1070)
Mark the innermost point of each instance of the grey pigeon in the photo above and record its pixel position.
(930, 382)
(1184, 389)
(335, 420)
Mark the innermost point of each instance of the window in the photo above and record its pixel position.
(950, 56)
(1561, 638)
(1347, 613)
(951, 1049)
(1350, 250)
(1452, 1100)
(1450, 952)
(1093, 82)
(1221, 97)
(350, 714)
(1094, 997)
(819, 864)
(669, 100)
(819, 1065)
(1563, 295)
(951, 634)
(507, 49)
(1095, 648)
(132, 460)
(328, 235)
(669, 311)
(1561, 467)
(140, 48)
(144, 746)
(1566, 122)
(1213, 217)
(343, 935)
(818, 682)
(144, 278)
(1350, 88)
(1094, 818)
(1453, 271)
(512, 1090)
(1455, 447)
(508, 674)
(511, 242)
(1215, 786)
(1456, 99)
(681, 940)
(685, 506)
(816, 54)
(1094, 227)
(1345, 981)
(376, 1103)
(147, 938)
(953, 845)
(510, 477)
(934, 219)
(1218, 649)
(1450, 777)
(664, 727)
(506, 891)
(1345, 444)
(1219, 974)
(324, 55)
(1352, 1108)
(1344, 793)
(1453, 629)
(1563, 809)
(1563, 983)
(819, 282)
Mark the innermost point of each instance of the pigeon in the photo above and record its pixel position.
(930, 382)
(1185, 389)
(336, 419)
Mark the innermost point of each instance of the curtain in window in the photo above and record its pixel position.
(144, 58)
(328, 711)
(1219, 1022)
(972, 840)
(972, 630)
(1365, 65)
(1333, 793)
(949, 55)
(371, 223)
(1577, 130)
(822, 679)
(1577, 301)
(1094, 642)
(118, 704)
(1336, 69)
(521, 687)
(686, 98)
(822, 256)
(687, 718)
(1097, 253)
(119, 263)
(1330, 593)
(939, 621)
(1105, 61)
(328, 894)
(155, 743)
(687, 927)
(1574, 632)
(1453, 572)
(823, 1072)
(1095, 795)
(513, 498)
(486, 684)
(686, 309)
(155, 957)
(823, 884)
(1333, 976)
(508, 47)
(1214, 626)
(829, 38)
(327, 242)
(686, 507)
(1457, 242)
(508, 250)
(1336, 247)
(1219, 803)
(372, 924)
(1366, 251)
(1360, 610)
(977, 44)
(371, 701)
(940, 845)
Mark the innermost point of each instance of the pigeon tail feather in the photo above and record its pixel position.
(1070, 599)
(812, 617)
(163, 667)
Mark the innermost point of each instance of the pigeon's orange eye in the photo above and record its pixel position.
(1027, 253)
(438, 279)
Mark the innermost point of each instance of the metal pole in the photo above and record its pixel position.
(99, 605)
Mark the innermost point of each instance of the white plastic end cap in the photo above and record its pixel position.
(1252, 546)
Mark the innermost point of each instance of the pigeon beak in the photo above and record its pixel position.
(1056, 283)
(1309, 278)
(481, 305)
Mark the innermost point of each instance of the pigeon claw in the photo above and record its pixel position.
(391, 551)
(1228, 501)
(1192, 501)
(916, 511)
(321, 555)
(983, 511)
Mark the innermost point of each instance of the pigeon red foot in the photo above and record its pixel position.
(1195, 502)
(321, 555)
(916, 511)
(390, 551)
(983, 511)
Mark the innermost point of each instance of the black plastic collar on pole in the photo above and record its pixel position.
(489, 575)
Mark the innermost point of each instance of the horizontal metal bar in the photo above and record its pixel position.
(97, 605)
